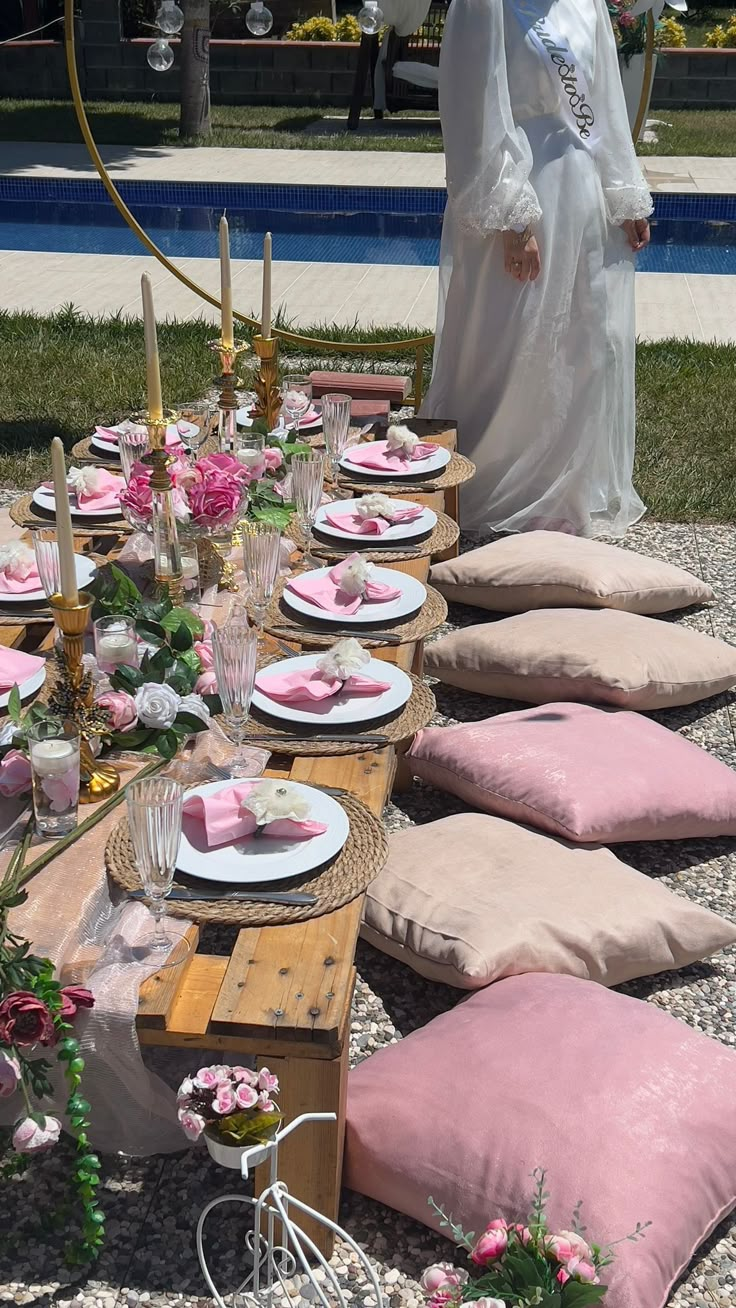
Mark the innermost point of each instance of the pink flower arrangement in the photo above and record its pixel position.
(232, 1103)
(208, 493)
(32, 1137)
(15, 774)
(121, 709)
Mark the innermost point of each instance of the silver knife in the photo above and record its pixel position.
(295, 897)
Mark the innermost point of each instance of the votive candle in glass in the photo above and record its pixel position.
(54, 753)
(116, 644)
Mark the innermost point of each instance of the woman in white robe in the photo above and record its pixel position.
(546, 209)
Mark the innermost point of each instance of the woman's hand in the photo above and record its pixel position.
(637, 232)
(521, 257)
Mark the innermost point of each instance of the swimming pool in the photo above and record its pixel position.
(320, 224)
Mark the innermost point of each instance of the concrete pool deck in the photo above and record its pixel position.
(700, 307)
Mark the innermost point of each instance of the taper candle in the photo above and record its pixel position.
(64, 533)
(153, 375)
(266, 304)
(226, 286)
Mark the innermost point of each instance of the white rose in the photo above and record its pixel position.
(84, 481)
(16, 560)
(374, 506)
(157, 706)
(272, 800)
(401, 440)
(7, 731)
(354, 576)
(195, 705)
(344, 659)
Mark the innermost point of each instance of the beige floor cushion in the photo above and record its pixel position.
(473, 898)
(548, 569)
(600, 656)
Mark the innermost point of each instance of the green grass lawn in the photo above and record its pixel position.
(60, 375)
(693, 132)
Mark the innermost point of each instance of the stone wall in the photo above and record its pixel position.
(695, 79)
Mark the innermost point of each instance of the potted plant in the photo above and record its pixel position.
(233, 1108)
(630, 30)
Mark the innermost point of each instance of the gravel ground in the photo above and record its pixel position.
(152, 1205)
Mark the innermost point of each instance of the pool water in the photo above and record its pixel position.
(311, 224)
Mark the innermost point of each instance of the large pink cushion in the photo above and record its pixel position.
(628, 1108)
(551, 767)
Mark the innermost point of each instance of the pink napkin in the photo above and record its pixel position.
(225, 822)
(358, 526)
(310, 416)
(174, 434)
(323, 589)
(10, 585)
(311, 684)
(15, 667)
(107, 495)
(376, 454)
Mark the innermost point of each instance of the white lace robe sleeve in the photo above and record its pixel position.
(488, 156)
(626, 193)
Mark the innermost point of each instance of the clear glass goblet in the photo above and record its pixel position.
(261, 549)
(197, 414)
(235, 651)
(154, 820)
(307, 483)
(296, 396)
(336, 428)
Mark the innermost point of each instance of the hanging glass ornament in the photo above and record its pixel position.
(370, 18)
(160, 56)
(169, 17)
(259, 19)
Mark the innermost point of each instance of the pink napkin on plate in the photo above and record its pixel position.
(224, 821)
(174, 434)
(376, 454)
(323, 589)
(15, 667)
(311, 685)
(106, 494)
(11, 583)
(358, 526)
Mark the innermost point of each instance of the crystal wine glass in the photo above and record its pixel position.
(198, 414)
(261, 543)
(307, 481)
(154, 819)
(296, 396)
(336, 428)
(235, 651)
(46, 550)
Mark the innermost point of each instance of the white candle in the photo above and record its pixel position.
(115, 649)
(52, 758)
(64, 533)
(266, 304)
(226, 287)
(153, 373)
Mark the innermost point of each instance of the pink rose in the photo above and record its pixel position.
(442, 1275)
(30, 1138)
(581, 1270)
(485, 1303)
(137, 495)
(222, 464)
(267, 1081)
(522, 1233)
(15, 774)
(205, 1079)
(9, 1074)
(62, 792)
(186, 1090)
(206, 683)
(245, 1096)
(224, 1101)
(192, 1124)
(274, 458)
(203, 650)
(492, 1244)
(245, 1074)
(568, 1244)
(443, 1298)
(73, 998)
(217, 499)
(265, 1104)
(562, 1276)
(183, 475)
(121, 708)
(626, 20)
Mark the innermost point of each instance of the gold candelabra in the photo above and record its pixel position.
(73, 696)
(227, 382)
(266, 382)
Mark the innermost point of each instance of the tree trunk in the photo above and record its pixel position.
(194, 120)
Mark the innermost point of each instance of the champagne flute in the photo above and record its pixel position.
(235, 651)
(307, 480)
(336, 429)
(154, 820)
(261, 547)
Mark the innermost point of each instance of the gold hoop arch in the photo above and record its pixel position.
(418, 344)
(646, 81)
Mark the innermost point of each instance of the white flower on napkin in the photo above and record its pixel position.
(400, 440)
(344, 659)
(273, 800)
(16, 560)
(130, 427)
(355, 576)
(374, 506)
(84, 481)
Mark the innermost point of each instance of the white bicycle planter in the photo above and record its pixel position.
(274, 1264)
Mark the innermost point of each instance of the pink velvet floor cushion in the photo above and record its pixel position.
(628, 1108)
(584, 773)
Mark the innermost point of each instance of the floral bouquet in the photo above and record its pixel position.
(630, 30)
(231, 1104)
(208, 495)
(516, 1266)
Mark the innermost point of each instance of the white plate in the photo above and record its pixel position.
(258, 859)
(422, 468)
(26, 688)
(86, 570)
(343, 709)
(110, 448)
(411, 599)
(45, 500)
(401, 531)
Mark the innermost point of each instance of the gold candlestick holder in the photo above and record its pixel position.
(73, 696)
(227, 382)
(266, 384)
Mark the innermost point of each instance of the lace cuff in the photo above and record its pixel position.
(627, 202)
(485, 215)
